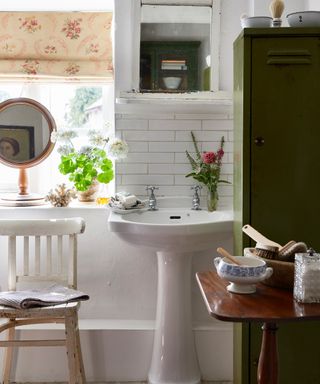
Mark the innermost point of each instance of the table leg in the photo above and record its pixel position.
(268, 360)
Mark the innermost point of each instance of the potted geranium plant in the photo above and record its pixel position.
(206, 168)
(89, 165)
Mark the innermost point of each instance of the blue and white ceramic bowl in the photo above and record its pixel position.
(242, 277)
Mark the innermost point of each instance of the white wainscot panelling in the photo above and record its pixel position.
(167, 140)
(148, 135)
(147, 179)
(118, 320)
(182, 180)
(224, 125)
(174, 125)
(202, 136)
(173, 169)
(131, 168)
(126, 124)
(170, 146)
(138, 146)
(158, 157)
(212, 146)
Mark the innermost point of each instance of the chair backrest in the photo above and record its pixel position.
(42, 250)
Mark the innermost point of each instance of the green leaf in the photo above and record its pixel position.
(196, 146)
(105, 177)
(192, 161)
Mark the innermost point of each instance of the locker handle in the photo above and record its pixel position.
(287, 57)
(288, 61)
(259, 141)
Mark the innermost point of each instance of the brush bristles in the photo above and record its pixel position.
(266, 251)
(276, 8)
(266, 254)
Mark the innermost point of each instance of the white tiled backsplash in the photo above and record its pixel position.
(157, 145)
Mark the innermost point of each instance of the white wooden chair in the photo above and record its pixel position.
(40, 253)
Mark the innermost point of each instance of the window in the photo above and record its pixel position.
(81, 107)
(57, 98)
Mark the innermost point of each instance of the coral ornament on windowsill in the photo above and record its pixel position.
(61, 196)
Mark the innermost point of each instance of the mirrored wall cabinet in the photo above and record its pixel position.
(178, 44)
(169, 66)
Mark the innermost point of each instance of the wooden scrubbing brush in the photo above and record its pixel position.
(265, 247)
(287, 254)
(276, 8)
(258, 237)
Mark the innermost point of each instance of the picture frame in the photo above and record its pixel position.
(17, 143)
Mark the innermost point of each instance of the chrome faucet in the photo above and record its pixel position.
(152, 198)
(196, 198)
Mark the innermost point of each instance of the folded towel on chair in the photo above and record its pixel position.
(56, 294)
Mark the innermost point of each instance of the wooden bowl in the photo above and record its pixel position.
(283, 271)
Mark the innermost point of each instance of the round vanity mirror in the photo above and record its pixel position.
(25, 130)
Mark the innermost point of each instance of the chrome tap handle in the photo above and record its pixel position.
(152, 198)
(197, 188)
(196, 198)
(151, 188)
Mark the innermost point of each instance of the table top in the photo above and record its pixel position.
(267, 304)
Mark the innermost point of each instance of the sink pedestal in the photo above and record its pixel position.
(177, 234)
(174, 358)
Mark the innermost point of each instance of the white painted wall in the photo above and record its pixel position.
(313, 5)
(121, 279)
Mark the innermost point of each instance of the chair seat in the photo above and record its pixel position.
(59, 310)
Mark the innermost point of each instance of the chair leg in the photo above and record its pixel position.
(8, 355)
(70, 323)
(79, 361)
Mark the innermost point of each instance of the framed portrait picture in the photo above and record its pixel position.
(16, 142)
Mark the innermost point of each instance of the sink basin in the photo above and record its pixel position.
(170, 229)
(175, 233)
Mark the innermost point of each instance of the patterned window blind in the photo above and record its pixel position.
(55, 46)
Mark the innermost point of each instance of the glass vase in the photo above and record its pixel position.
(90, 194)
(212, 199)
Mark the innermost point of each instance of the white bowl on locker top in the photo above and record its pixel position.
(256, 22)
(304, 19)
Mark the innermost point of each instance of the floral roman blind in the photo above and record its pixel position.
(56, 46)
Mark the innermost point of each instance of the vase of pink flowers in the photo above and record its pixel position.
(212, 199)
(206, 168)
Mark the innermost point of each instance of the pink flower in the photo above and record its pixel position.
(220, 153)
(208, 157)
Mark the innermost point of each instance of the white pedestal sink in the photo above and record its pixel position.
(176, 235)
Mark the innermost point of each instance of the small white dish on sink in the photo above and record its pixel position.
(242, 277)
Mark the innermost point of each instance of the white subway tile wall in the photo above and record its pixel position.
(157, 145)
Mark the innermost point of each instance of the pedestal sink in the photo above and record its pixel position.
(175, 234)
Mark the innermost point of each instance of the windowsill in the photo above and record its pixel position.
(186, 103)
(73, 205)
(212, 98)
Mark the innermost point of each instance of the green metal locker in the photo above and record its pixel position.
(277, 173)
